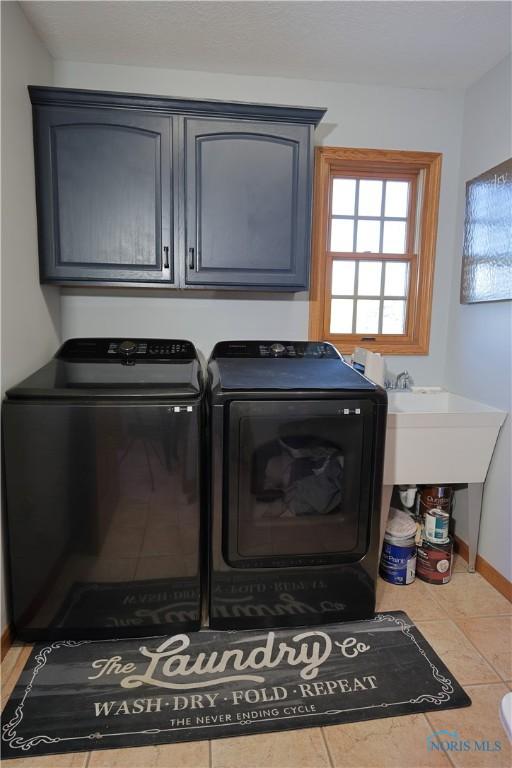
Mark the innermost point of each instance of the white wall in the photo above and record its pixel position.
(479, 349)
(364, 116)
(30, 314)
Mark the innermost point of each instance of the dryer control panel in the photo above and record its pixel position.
(274, 349)
(122, 350)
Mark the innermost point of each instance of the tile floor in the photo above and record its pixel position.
(467, 622)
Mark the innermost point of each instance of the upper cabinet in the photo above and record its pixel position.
(146, 190)
(248, 201)
(104, 192)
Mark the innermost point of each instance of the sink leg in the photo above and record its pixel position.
(475, 492)
(387, 491)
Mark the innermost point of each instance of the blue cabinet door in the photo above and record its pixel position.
(247, 204)
(105, 195)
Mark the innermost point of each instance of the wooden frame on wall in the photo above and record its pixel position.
(424, 171)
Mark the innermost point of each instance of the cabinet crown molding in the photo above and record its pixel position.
(74, 97)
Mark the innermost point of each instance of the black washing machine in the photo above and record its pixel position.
(102, 451)
(297, 447)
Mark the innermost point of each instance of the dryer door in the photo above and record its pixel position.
(298, 475)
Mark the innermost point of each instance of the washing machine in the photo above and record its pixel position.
(296, 450)
(102, 456)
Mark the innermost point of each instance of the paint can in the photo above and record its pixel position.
(398, 559)
(435, 560)
(436, 525)
(435, 497)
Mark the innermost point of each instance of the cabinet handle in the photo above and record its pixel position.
(166, 255)
(191, 258)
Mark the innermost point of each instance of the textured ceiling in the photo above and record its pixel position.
(417, 44)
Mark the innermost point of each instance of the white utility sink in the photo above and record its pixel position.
(439, 408)
(439, 438)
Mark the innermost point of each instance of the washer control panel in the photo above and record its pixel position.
(123, 350)
(275, 349)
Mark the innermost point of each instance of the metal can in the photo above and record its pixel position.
(398, 559)
(434, 563)
(435, 497)
(436, 525)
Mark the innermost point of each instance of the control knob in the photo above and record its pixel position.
(277, 349)
(127, 348)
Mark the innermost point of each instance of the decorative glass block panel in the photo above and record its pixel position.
(342, 235)
(393, 316)
(341, 315)
(343, 197)
(397, 194)
(487, 256)
(370, 198)
(367, 316)
(368, 236)
(396, 278)
(394, 237)
(368, 283)
(343, 274)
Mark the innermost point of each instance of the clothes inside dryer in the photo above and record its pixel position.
(298, 475)
(298, 486)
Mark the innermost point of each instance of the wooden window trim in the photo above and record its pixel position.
(377, 162)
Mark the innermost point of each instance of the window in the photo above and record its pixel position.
(374, 235)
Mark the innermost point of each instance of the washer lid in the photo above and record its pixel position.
(284, 365)
(290, 374)
(100, 369)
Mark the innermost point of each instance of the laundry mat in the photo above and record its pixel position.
(84, 695)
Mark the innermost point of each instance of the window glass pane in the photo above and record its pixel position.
(367, 316)
(397, 193)
(370, 198)
(341, 315)
(342, 235)
(394, 237)
(393, 317)
(343, 197)
(395, 281)
(368, 234)
(343, 273)
(368, 283)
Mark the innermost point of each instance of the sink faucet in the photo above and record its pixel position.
(403, 381)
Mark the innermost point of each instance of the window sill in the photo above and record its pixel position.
(384, 347)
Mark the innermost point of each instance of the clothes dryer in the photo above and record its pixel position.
(297, 448)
